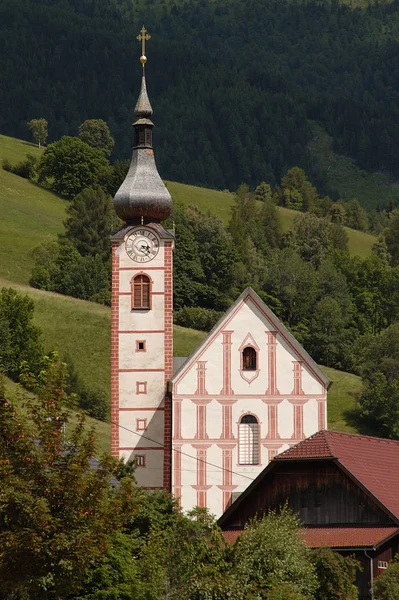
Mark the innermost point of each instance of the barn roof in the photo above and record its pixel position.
(347, 537)
(249, 296)
(335, 537)
(372, 463)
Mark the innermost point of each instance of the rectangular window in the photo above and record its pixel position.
(141, 346)
(139, 460)
(141, 387)
(141, 424)
(382, 564)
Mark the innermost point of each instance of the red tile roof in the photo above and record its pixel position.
(335, 537)
(374, 462)
(346, 537)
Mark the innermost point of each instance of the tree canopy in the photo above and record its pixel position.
(70, 165)
(56, 510)
(96, 133)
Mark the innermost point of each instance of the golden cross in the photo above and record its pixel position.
(143, 37)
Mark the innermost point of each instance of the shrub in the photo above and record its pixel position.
(26, 168)
(336, 575)
(196, 317)
(386, 587)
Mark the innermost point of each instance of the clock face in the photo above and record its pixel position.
(142, 245)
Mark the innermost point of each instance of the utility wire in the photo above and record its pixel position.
(181, 452)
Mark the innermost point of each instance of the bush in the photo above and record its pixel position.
(196, 317)
(336, 575)
(94, 402)
(26, 168)
(20, 339)
(386, 587)
(6, 165)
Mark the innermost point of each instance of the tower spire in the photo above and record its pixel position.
(143, 37)
(143, 106)
(143, 195)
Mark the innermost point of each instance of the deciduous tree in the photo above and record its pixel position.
(96, 133)
(39, 129)
(56, 511)
(336, 575)
(386, 586)
(270, 553)
(70, 165)
(19, 337)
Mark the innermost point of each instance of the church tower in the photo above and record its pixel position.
(142, 319)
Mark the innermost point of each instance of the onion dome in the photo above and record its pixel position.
(143, 195)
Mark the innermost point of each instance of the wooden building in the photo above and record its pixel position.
(345, 489)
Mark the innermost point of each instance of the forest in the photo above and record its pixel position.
(235, 83)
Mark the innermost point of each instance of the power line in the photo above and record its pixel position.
(181, 452)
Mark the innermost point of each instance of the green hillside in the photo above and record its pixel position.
(31, 214)
(81, 331)
(345, 179)
(19, 397)
(16, 150)
(64, 321)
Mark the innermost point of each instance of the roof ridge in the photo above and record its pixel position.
(325, 438)
(319, 434)
(359, 435)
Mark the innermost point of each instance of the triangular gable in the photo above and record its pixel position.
(276, 325)
(315, 446)
(371, 463)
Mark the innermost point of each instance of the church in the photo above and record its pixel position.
(203, 426)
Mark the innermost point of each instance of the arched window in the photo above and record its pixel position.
(248, 440)
(141, 293)
(249, 359)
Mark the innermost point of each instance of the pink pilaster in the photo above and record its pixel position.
(272, 418)
(177, 418)
(297, 391)
(201, 378)
(227, 486)
(298, 418)
(227, 419)
(272, 362)
(226, 342)
(177, 472)
(201, 404)
(201, 487)
(321, 412)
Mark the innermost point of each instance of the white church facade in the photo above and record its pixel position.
(248, 392)
(205, 429)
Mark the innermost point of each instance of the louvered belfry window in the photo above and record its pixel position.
(141, 292)
(248, 431)
(140, 136)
